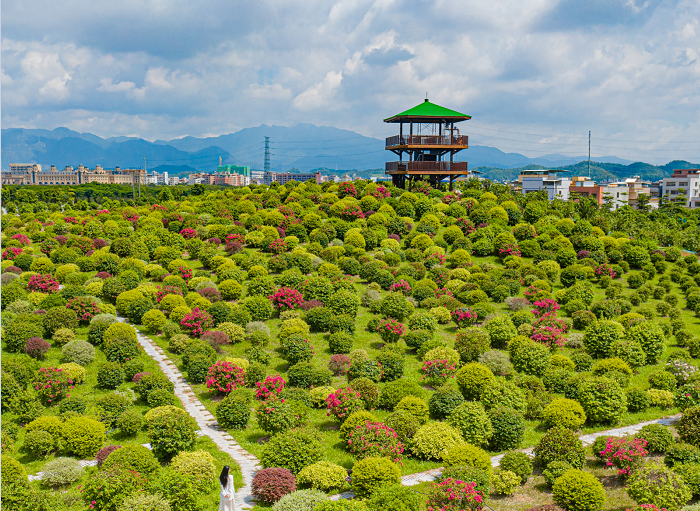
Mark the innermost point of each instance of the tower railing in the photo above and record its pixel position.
(426, 166)
(433, 140)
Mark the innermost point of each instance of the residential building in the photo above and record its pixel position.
(618, 194)
(535, 180)
(70, 176)
(285, 177)
(683, 182)
(25, 168)
(174, 181)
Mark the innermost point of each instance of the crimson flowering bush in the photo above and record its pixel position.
(271, 387)
(184, 272)
(546, 306)
(85, 307)
(188, 233)
(375, 439)
(48, 245)
(454, 495)
(401, 286)
(11, 253)
(464, 317)
(235, 238)
(343, 402)
(466, 225)
(549, 331)
(42, 283)
(646, 507)
(443, 291)
(286, 298)
(625, 454)
(167, 290)
(434, 260)
(277, 246)
(532, 292)
(60, 238)
(52, 384)
(130, 216)
(23, 239)
(351, 212)
(347, 189)
(339, 364)
(390, 330)
(197, 322)
(225, 376)
(380, 193)
(605, 269)
(509, 249)
(437, 372)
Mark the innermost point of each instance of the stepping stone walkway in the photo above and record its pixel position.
(436, 473)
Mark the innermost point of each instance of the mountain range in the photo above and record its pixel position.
(304, 147)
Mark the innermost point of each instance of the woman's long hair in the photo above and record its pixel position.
(223, 478)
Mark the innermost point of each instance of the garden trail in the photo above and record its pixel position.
(207, 423)
(436, 473)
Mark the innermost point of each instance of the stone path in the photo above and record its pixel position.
(436, 473)
(207, 423)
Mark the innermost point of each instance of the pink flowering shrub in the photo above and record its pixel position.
(271, 387)
(625, 454)
(52, 384)
(277, 246)
(434, 260)
(11, 253)
(347, 189)
(351, 212)
(454, 495)
(646, 507)
(437, 372)
(188, 233)
(374, 439)
(184, 272)
(549, 330)
(23, 239)
(196, 322)
(235, 238)
(546, 306)
(443, 291)
(464, 317)
(343, 402)
(509, 249)
(339, 364)
(286, 298)
(390, 330)
(86, 308)
(401, 286)
(225, 376)
(605, 269)
(42, 283)
(167, 290)
(466, 225)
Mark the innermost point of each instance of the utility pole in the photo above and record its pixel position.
(267, 154)
(589, 153)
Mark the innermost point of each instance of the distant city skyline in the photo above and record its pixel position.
(535, 75)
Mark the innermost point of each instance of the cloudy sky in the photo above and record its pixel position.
(536, 75)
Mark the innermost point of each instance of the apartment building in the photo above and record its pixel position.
(557, 187)
(683, 182)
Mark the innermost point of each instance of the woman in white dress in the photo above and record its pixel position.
(227, 497)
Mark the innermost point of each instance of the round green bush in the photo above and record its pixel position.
(59, 317)
(517, 462)
(39, 443)
(443, 401)
(394, 391)
(340, 342)
(369, 392)
(154, 320)
(365, 369)
(688, 426)
(650, 336)
(292, 450)
(659, 438)
(395, 498)
(83, 436)
(369, 474)
(78, 352)
(199, 466)
(130, 422)
(473, 379)
(473, 423)
(120, 350)
(554, 471)
(528, 356)
(300, 500)
(145, 502)
(504, 482)
(170, 430)
(504, 393)
(404, 424)
(560, 444)
(690, 472)
(508, 429)
(17, 333)
(132, 457)
(637, 399)
(680, 453)
(577, 490)
(233, 412)
(655, 484)
(600, 337)
(434, 439)
(110, 375)
(415, 406)
(353, 421)
(662, 380)
(61, 472)
(563, 412)
(467, 454)
(471, 343)
(12, 471)
(322, 475)
(602, 399)
(501, 330)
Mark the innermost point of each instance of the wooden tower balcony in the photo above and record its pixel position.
(445, 168)
(409, 142)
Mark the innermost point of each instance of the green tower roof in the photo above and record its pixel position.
(428, 112)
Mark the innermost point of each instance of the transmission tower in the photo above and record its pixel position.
(267, 154)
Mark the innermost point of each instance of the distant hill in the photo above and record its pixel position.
(305, 147)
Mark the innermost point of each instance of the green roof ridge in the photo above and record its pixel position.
(428, 109)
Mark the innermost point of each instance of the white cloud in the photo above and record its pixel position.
(156, 78)
(320, 94)
(268, 91)
(106, 85)
(47, 69)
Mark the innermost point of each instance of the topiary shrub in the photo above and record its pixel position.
(473, 379)
(434, 440)
(170, 431)
(130, 422)
(600, 337)
(473, 423)
(78, 352)
(504, 482)
(404, 424)
(396, 390)
(650, 336)
(554, 471)
(39, 443)
(659, 438)
(12, 472)
(519, 463)
(528, 356)
(577, 490)
(637, 399)
(480, 477)
(471, 343)
(233, 412)
(293, 450)
(369, 474)
(110, 375)
(271, 484)
(83, 436)
(560, 444)
(415, 406)
(106, 490)
(145, 502)
(508, 428)
(132, 457)
(655, 484)
(467, 454)
(443, 401)
(563, 412)
(681, 453)
(59, 317)
(322, 475)
(688, 426)
(300, 500)
(501, 330)
(61, 472)
(199, 466)
(602, 399)
(504, 393)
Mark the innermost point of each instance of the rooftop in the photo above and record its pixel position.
(428, 112)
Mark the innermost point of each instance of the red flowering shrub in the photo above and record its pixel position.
(42, 283)
(13, 269)
(184, 272)
(11, 253)
(439, 293)
(546, 306)
(343, 402)
(235, 238)
(347, 189)
(436, 372)
(271, 484)
(351, 212)
(225, 376)
(214, 241)
(466, 225)
(196, 322)
(188, 233)
(167, 290)
(454, 495)
(137, 377)
(48, 245)
(509, 249)
(646, 507)
(375, 439)
(52, 384)
(86, 308)
(625, 454)
(339, 364)
(277, 246)
(210, 293)
(401, 286)
(271, 387)
(390, 330)
(549, 331)
(605, 269)
(102, 454)
(36, 347)
(286, 298)
(23, 239)
(464, 317)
